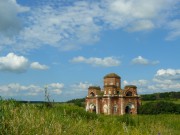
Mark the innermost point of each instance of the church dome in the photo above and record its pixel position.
(130, 86)
(112, 75)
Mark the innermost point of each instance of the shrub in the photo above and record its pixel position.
(160, 107)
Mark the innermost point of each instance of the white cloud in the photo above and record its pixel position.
(81, 22)
(10, 22)
(168, 72)
(13, 63)
(67, 27)
(123, 13)
(142, 61)
(36, 65)
(15, 89)
(104, 62)
(141, 85)
(82, 86)
(24, 91)
(56, 85)
(55, 88)
(125, 82)
(141, 25)
(172, 74)
(18, 64)
(164, 80)
(174, 26)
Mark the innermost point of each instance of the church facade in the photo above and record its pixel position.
(112, 100)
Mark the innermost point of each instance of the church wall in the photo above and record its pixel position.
(113, 100)
(131, 101)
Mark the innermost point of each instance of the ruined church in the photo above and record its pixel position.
(112, 100)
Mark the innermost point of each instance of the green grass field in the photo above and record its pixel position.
(35, 119)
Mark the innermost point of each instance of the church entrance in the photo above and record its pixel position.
(92, 108)
(129, 108)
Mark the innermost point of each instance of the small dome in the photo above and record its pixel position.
(130, 86)
(95, 87)
(112, 75)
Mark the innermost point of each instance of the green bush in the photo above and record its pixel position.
(159, 107)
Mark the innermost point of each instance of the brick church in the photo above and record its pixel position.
(112, 100)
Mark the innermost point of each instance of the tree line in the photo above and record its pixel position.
(159, 96)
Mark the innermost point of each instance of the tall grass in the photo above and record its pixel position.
(31, 119)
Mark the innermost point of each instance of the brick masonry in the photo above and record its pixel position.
(112, 100)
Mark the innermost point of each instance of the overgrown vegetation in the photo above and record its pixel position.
(23, 119)
(161, 96)
(160, 107)
(78, 102)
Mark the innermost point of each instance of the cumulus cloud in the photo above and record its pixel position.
(163, 81)
(56, 88)
(13, 63)
(82, 86)
(170, 74)
(38, 66)
(18, 64)
(141, 85)
(15, 89)
(143, 61)
(81, 22)
(18, 90)
(94, 61)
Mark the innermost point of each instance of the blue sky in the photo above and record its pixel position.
(68, 45)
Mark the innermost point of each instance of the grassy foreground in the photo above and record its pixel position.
(32, 119)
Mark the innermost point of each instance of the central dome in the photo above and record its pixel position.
(112, 75)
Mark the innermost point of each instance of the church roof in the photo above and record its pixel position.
(130, 86)
(94, 87)
(112, 75)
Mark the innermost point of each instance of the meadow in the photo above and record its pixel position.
(67, 119)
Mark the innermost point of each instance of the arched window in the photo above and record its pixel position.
(128, 108)
(92, 94)
(129, 93)
(105, 109)
(115, 109)
(118, 92)
(92, 108)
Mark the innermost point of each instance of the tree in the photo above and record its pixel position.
(160, 107)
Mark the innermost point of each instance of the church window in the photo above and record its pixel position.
(129, 93)
(92, 107)
(105, 109)
(115, 108)
(92, 94)
(111, 83)
(114, 92)
(118, 92)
